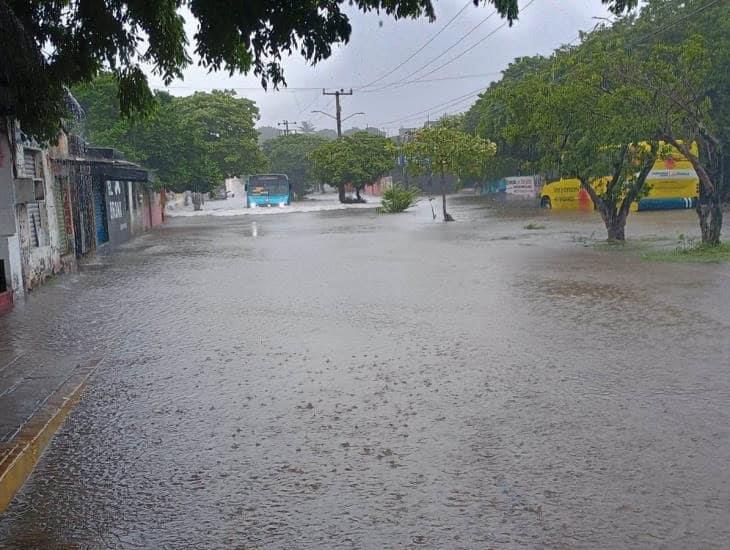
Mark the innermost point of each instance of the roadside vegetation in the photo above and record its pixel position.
(662, 249)
(192, 142)
(355, 160)
(398, 198)
(291, 155)
(605, 108)
(691, 251)
(445, 149)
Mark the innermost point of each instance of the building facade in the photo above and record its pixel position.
(61, 203)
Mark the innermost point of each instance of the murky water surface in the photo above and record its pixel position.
(350, 380)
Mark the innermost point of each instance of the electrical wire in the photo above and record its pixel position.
(439, 56)
(470, 48)
(419, 50)
(436, 107)
(565, 75)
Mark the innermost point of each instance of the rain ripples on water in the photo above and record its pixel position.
(345, 379)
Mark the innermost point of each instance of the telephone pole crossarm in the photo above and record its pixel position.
(338, 106)
(285, 123)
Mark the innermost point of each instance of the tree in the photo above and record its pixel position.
(368, 129)
(82, 38)
(589, 123)
(442, 150)
(375, 156)
(679, 80)
(692, 101)
(192, 142)
(331, 163)
(712, 23)
(307, 127)
(358, 159)
(327, 133)
(644, 79)
(290, 155)
(489, 117)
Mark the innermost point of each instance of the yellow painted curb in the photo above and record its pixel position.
(19, 456)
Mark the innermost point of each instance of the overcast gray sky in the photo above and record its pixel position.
(446, 86)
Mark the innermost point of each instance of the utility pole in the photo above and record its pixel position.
(286, 124)
(338, 111)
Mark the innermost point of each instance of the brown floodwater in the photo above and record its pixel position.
(351, 380)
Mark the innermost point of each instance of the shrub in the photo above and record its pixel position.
(398, 198)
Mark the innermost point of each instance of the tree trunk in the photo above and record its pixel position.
(710, 171)
(357, 194)
(447, 216)
(613, 215)
(341, 190)
(616, 229)
(709, 211)
(615, 221)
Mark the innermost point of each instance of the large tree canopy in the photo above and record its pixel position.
(46, 45)
(358, 159)
(290, 155)
(645, 78)
(192, 142)
(586, 121)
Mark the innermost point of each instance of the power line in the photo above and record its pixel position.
(251, 88)
(640, 40)
(319, 89)
(310, 104)
(685, 17)
(660, 30)
(440, 79)
(439, 112)
(403, 82)
(470, 48)
(419, 50)
(436, 107)
(439, 56)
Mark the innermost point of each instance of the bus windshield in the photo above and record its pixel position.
(268, 185)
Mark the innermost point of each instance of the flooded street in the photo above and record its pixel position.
(343, 379)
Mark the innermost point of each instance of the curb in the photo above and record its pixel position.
(19, 456)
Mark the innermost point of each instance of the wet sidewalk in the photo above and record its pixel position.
(27, 380)
(37, 390)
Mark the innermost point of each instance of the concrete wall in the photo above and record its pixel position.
(157, 207)
(137, 207)
(235, 187)
(41, 257)
(117, 201)
(8, 226)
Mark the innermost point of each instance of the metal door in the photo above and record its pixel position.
(100, 217)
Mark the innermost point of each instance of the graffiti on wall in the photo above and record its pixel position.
(114, 190)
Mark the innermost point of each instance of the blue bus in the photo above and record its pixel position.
(268, 190)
